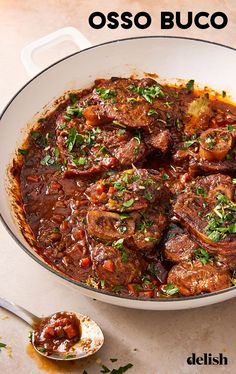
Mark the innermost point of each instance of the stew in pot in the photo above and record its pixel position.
(129, 187)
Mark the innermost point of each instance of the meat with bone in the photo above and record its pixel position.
(208, 212)
(194, 278)
(109, 226)
(180, 248)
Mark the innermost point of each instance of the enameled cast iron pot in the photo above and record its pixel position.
(208, 63)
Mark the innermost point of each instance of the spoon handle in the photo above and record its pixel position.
(19, 311)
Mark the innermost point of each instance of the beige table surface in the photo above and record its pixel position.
(154, 342)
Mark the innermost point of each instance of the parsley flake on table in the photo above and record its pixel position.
(2, 345)
(122, 369)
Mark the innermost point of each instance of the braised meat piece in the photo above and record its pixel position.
(199, 165)
(194, 278)
(149, 225)
(81, 153)
(85, 151)
(213, 152)
(131, 152)
(158, 139)
(125, 101)
(211, 185)
(116, 266)
(141, 231)
(208, 211)
(130, 190)
(217, 151)
(179, 248)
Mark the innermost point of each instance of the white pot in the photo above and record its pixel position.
(170, 57)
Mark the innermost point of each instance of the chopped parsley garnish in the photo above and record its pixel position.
(165, 177)
(69, 356)
(201, 191)
(74, 138)
(62, 126)
(47, 160)
(150, 239)
(137, 287)
(202, 255)
(42, 349)
(134, 178)
(148, 196)
(113, 359)
(148, 182)
(56, 229)
(74, 111)
(73, 97)
(80, 161)
(119, 244)
(121, 132)
(23, 151)
(222, 220)
(56, 152)
(152, 269)
(105, 93)
(119, 186)
(128, 203)
(124, 216)
(223, 93)
(189, 143)
(39, 138)
(230, 127)
(190, 85)
(117, 288)
(151, 112)
(3, 345)
(104, 150)
(145, 223)
(149, 93)
(170, 289)
(178, 123)
(124, 257)
(233, 279)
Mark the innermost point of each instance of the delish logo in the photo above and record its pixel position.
(207, 359)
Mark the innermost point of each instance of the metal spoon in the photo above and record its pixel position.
(90, 342)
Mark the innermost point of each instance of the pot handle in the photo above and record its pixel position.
(66, 33)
